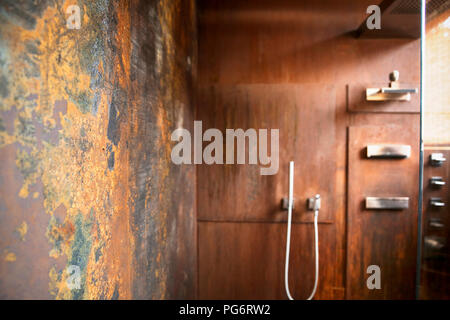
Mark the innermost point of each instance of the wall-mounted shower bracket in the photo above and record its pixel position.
(314, 203)
(393, 92)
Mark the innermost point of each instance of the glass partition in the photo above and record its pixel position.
(434, 258)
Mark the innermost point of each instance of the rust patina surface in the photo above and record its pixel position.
(85, 176)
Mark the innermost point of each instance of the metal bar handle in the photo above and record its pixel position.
(387, 203)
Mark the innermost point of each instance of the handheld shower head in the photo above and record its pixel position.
(313, 204)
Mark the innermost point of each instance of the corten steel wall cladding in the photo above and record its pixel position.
(85, 176)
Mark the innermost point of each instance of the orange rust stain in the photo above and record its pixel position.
(22, 230)
(113, 269)
(10, 257)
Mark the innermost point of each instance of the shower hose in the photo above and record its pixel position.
(288, 238)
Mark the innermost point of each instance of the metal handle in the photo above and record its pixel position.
(437, 181)
(434, 242)
(436, 223)
(437, 159)
(437, 202)
(388, 151)
(387, 203)
(400, 91)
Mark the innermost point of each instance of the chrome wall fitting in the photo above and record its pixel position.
(437, 202)
(393, 92)
(388, 151)
(437, 159)
(387, 203)
(437, 181)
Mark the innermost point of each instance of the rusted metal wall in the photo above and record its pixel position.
(85, 174)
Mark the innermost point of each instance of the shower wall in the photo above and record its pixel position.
(87, 186)
(297, 66)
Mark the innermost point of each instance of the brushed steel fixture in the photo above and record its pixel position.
(314, 203)
(437, 181)
(387, 203)
(437, 202)
(393, 92)
(399, 91)
(388, 151)
(436, 223)
(437, 159)
(434, 243)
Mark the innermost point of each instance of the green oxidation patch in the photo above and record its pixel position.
(25, 128)
(4, 90)
(81, 248)
(54, 236)
(73, 236)
(2, 132)
(28, 164)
